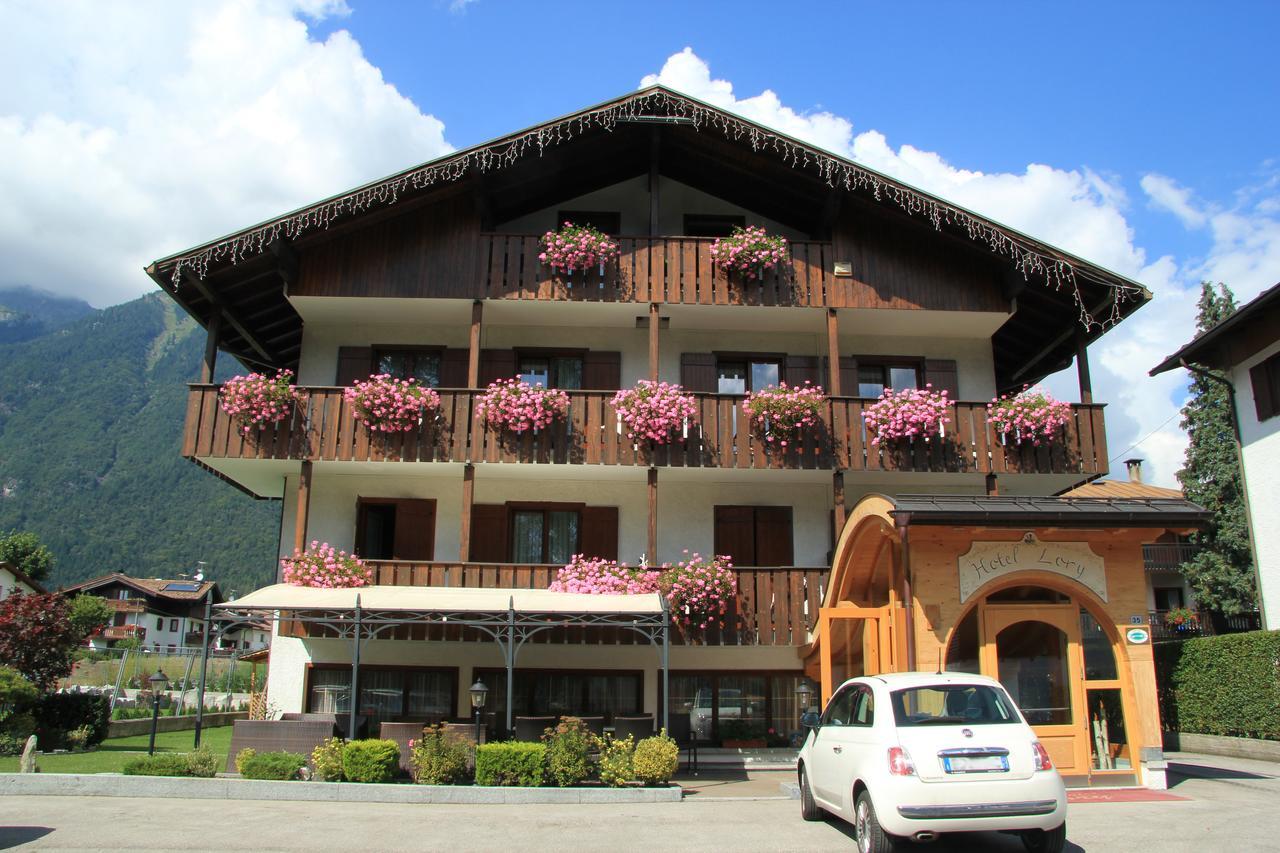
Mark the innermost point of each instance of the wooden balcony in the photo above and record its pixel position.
(1168, 556)
(124, 632)
(126, 605)
(322, 428)
(657, 269)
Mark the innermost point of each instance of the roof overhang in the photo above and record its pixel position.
(1251, 328)
(1000, 511)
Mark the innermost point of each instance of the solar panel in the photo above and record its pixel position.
(181, 587)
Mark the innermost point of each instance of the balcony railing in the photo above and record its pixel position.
(124, 632)
(655, 269)
(127, 605)
(322, 428)
(1168, 556)
(1205, 624)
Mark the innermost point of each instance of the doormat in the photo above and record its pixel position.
(1120, 795)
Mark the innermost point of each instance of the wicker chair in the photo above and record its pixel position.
(637, 727)
(680, 729)
(594, 724)
(531, 728)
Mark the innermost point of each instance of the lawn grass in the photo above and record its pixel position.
(111, 755)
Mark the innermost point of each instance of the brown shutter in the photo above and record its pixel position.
(773, 536)
(848, 376)
(496, 364)
(354, 364)
(415, 535)
(735, 534)
(453, 368)
(489, 534)
(942, 375)
(698, 372)
(601, 371)
(600, 532)
(1263, 398)
(798, 369)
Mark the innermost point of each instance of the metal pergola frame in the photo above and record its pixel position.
(509, 628)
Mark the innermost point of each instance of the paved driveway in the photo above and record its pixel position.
(1231, 806)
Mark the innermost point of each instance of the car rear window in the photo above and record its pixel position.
(952, 705)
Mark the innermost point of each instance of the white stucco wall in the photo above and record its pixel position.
(9, 582)
(1260, 447)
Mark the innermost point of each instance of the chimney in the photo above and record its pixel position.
(1135, 470)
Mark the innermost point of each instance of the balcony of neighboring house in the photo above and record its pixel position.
(322, 428)
(127, 605)
(1168, 556)
(124, 632)
(1184, 624)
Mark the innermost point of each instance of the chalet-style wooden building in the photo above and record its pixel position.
(850, 557)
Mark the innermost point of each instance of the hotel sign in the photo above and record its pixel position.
(988, 561)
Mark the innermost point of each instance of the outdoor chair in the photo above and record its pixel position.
(637, 727)
(300, 736)
(680, 729)
(531, 728)
(594, 724)
(401, 733)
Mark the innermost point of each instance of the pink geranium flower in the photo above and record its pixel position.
(749, 251)
(384, 403)
(577, 247)
(909, 413)
(518, 406)
(654, 411)
(325, 567)
(778, 413)
(257, 400)
(1032, 415)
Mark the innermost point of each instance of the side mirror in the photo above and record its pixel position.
(811, 720)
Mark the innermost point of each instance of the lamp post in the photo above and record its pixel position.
(804, 695)
(478, 694)
(158, 683)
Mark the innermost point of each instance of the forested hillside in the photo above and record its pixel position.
(90, 428)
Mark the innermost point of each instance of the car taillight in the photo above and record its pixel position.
(900, 763)
(1041, 757)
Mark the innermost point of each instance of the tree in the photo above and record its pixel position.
(37, 637)
(89, 613)
(25, 552)
(1221, 573)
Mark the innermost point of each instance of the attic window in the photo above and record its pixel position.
(180, 587)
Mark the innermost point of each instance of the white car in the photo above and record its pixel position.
(913, 755)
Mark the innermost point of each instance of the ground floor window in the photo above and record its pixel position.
(742, 707)
(387, 694)
(558, 693)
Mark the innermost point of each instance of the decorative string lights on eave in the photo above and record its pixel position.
(1058, 273)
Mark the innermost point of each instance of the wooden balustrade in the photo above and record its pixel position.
(655, 269)
(322, 428)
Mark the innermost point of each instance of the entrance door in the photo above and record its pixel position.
(1034, 651)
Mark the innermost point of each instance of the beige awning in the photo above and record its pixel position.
(436, 599)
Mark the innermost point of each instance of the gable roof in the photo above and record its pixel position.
(22, 577)
(153, 587)
(1254, 326)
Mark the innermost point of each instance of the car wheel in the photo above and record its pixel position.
(808, 808)
(871, 838)
(1045, 840)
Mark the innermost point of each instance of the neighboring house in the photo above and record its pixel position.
(850, 556)
(12, 578)
(247, 637)
(1246, 348)
(162, 614)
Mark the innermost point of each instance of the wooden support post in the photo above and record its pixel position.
(473, 355)
(653, 516)
(837, 494)
(833, 353)
(654, 323)
(1082, 369)
(304, 507)
(468, 497)
(211, 349)
(993, 485)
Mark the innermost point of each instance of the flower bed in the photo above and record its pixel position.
(518, 406)
(577, 247)
(749, 251)
(325, 567)
(910, 413)
(654, 411)
(257, 400)
(778, 413)
(384, 403)
(1032, 415)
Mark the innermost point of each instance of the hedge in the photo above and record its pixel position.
(56, 714)
(370, 760)
(1227, 685)
(278, 766)
(511, 763)
(200, 762)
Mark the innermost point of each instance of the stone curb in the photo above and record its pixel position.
(111, 785)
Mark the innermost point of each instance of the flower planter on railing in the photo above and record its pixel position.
(1032, 416)
(257, 401)
(385, 404)
(655, 412)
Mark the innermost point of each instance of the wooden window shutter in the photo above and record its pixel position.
(848, 376)
(943, 376)
(496, 364)
(735, 534)
(415, 537)
(698, 372)
(600, 532)
(602, 371)
(773, 536)
(453, 368)
(1264, 397)
(354, 364)
(798, 369)
(489, 534)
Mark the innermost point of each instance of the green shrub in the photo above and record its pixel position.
(440, 757)
(569, 747)
(57, 714)
(76, 739)
(615, 761)
(242, 758)
(203, 761)
(370, 760)
(15, 691)
(280, 766)
(160, 764)
(1229, 685)
(512, 763)
(656, 759)
(327, 759)
(12, 744)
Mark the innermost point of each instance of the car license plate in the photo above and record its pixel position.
(975, 763)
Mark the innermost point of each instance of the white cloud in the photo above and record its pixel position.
(156, 125)
(457, 7)
(1084, 213)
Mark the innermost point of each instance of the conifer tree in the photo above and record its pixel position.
(1221, 575)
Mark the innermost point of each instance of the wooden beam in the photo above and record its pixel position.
(304, 507)
(833, 353)
(229, 315)
(211, 349)
(653, 517)
(287, 262)
(1059, 340)
(655, 323)
(1082, 368)
(473, 354)
(655, 147)
(468, 497)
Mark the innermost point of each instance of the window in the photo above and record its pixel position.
(420, 363)
(608, 221)
(1265, 378)
(754, 535)
(552, 371)
(173, 624)
(387, 694)
(1167, 597)
(545, 535)
(951, 705)
(840, 709)
(712, 224)
(395, 528)
(159, 623)
(744, 374)
(540, 693)
(874, 377)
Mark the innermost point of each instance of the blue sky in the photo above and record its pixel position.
(1142, 136)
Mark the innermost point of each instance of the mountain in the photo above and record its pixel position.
(91, 419)
(26, 313)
